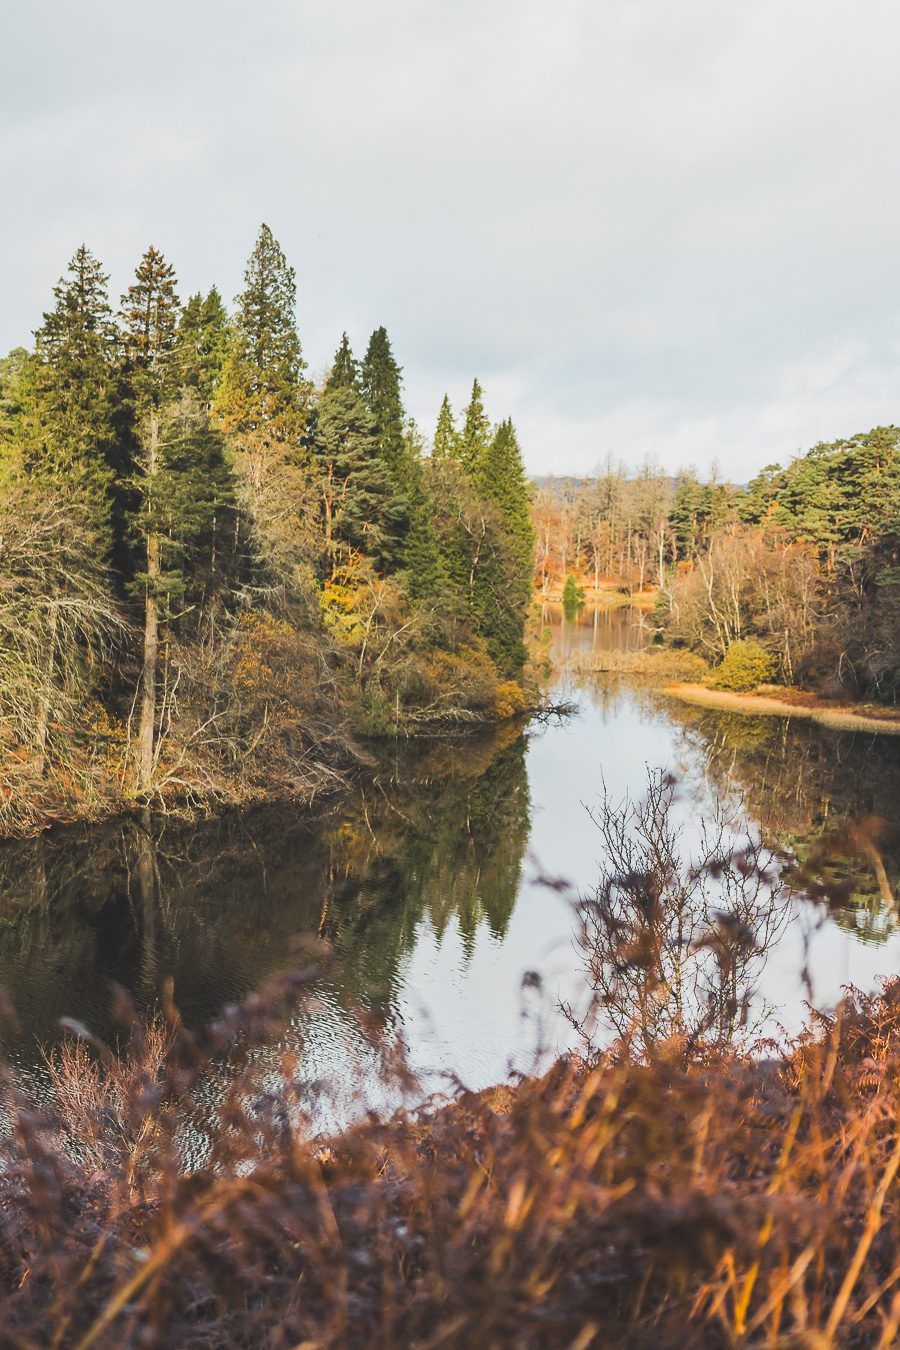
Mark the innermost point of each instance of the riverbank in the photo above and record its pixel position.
(687, 1198)
(33, 804)
(839, 716)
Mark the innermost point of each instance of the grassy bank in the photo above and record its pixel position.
(682, 1199)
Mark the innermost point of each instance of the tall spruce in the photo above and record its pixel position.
(203, 333)
(476, 433)
(358, 510)
(501, 479)
(344, 373)
(263, 406)
(421, 557)
(446, 437)
(262, 386)
(71, 391)
(149, 318)
(381, 379)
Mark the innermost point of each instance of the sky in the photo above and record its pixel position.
(651, 229)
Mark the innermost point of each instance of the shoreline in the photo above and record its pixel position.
(335, 782)
(795, 703)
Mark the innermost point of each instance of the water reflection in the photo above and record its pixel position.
(437, 836)
(427, 884)
(828, 801)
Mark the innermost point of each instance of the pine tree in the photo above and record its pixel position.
(476, 433)
(446, 437)
(71, 389)
(203, 333)
(262, 387)
(149, 318)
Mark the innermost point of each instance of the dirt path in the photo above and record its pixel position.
(794, 703)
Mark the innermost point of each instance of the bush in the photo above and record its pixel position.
(510, 700)
(745, 666)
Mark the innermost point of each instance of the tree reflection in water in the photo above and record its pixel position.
(674, 939)
(827, 801)
(435, 836)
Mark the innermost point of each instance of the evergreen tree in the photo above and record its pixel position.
(421, 558)
(446, 437)
(354, 488)
(71, 390)
(381, 380)
(476, 433)
(13, 370)
(756, 503)
(262, 387)
(344, 373)
(203, 333)
(149, 318)
(262, 405)
(501, 478)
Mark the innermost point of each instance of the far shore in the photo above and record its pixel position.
(793, 703)
(607, 597)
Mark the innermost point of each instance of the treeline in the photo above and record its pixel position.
(803, 561)
(614, 528)
(213, 572)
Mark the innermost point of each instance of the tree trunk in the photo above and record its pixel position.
(147, 731)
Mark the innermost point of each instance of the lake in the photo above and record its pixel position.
(430, 885)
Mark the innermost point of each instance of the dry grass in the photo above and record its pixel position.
(655, 663)
(839, 717)
(686, 1200)
(668, 1192)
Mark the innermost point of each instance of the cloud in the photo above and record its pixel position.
(649, 228)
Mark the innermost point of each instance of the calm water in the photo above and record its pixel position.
(429, 884)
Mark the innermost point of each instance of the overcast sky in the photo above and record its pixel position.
(651, 227)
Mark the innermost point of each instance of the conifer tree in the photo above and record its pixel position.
(71, 390)
(421, 557)
(501, 478)
(262, 387)
(344, 373)
(358, 511)
(476, 433)
(381, 379)
(65, 402)
(262, 405)
(446, 437)
(12, 395)
(149, 318)
(203, 333)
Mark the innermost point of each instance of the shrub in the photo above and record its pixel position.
(746, 665)
(510, 700)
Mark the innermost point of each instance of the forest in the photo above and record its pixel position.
(794, 576)
(217, 575)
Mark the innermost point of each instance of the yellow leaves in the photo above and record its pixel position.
(509, 701)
